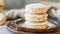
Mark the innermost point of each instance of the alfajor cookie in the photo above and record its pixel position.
(36, 8)
(36, 17)
(37, 25)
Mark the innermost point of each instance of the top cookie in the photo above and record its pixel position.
(36, 8)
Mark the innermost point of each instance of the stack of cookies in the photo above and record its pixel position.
(1, 6)
(36, 16)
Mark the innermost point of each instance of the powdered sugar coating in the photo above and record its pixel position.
(35, 5)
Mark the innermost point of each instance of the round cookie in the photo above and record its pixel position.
(36, 17)
(36, 25)
(36, 8)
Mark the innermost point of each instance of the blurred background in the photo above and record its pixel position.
(17, 4)
(12, 6)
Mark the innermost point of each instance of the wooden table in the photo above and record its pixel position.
(57, 32)
(4, 30)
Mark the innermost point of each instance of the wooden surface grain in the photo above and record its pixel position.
(21, 32)
(57, 32)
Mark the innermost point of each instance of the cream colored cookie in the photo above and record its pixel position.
(36, 23)
(36, 17)
(36, 8)
(37, 27)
